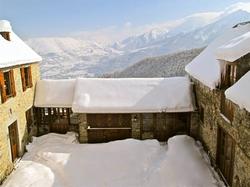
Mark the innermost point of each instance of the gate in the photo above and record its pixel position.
(56, 119)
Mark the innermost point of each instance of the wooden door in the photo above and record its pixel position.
(59, 120)
(167, 125)
(108, 127)
(225, 155)
(14, 143)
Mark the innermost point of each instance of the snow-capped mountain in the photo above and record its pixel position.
(68, 57)
(72, 57)
(167, 30)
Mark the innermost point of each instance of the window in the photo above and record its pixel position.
(29, 119)
(225, 154)
(226, 107)
(26, 77)
(201, 111)
(7, 85)
(5, 35)
(229, 76)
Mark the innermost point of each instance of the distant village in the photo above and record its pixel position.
(211, 105)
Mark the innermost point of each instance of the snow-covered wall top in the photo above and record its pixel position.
(54, 93)
(205, 67)
(235, 48)
(239, 93)
(133, 95)
(15, 51)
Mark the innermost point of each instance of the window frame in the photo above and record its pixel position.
(201, 113)
(229, 76)
(11, 85)
(5, 35)
(26, 76)
(226, 108)
(29, 115)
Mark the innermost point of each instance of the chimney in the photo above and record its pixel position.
(5, 29)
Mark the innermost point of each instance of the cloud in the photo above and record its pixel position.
(112, 33)
(128, 24)
(116, 33)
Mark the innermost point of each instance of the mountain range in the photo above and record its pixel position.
(71, 56)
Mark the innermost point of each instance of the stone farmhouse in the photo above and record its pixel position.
(220, 75)
(19, 72)
(212, 104)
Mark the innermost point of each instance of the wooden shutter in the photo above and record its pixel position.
(2, 88)
(30, 77)
(12, 80)
(23, 78)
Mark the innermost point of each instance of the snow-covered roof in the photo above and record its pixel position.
(205, 67)
(239, 93)
(5, 26)
(133, 95)
(15, 51)
(235, 48)
(130, 95)
(54, 93)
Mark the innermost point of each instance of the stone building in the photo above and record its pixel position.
(223, 103)
(19, 72)
(102, 110)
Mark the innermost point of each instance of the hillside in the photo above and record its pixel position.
(162, 66)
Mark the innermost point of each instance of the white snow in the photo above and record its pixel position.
(15, 51)
(239, 93)
(54, 93)
(235, 48)
(53, 161)
(5, 26)
(206, 68)
(127, 95)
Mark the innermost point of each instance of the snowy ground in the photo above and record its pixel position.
(59, 161)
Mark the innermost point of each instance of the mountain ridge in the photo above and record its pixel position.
(69, 57)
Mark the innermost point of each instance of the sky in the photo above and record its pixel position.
(41, 18)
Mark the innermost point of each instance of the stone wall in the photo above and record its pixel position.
(83, 125)
(144, 126)
(238, 129)
(14, 110)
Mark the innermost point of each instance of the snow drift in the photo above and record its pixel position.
(54, 161)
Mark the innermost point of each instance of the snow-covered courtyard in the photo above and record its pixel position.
(55, 160)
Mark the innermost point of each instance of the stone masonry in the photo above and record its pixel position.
(83, 131)
(14, 110)
(238, 129)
